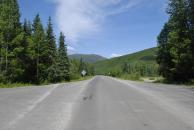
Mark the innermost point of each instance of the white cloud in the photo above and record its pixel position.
(81, 18)
(115, 55)
(71, 50)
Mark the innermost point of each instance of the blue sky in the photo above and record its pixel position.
(105, 27)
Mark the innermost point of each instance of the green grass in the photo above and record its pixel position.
(158, 80)
(189, 84)
(15, 85)
(134, 77)
(82, 78)
(147, 56)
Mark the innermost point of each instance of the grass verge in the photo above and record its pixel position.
(189, 84)
(134, 77)
(15, 85)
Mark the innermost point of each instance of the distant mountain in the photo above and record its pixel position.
(89, 58)
(147, 56)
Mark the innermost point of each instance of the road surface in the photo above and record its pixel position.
(101, 103)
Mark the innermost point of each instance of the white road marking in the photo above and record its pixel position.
(31, 107)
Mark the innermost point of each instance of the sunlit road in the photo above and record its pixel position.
(101, 103)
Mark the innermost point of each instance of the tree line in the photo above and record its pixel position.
(77, 66)
(176, 42)
(140, 69)
(28, 51)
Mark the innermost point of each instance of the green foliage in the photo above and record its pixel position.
(26, 59)
(10, 29)
(82, 66)
(132, 66)
(28, 52)
(115, 73)
(13, 85)
(87, 58)
(175, 42)
(89, 68)
(51, 44)
(76, 66)
(123, 63)
(51, 68)
(63, 61)
(40, 48)
(142, 69)
(164, 57)
(134, 76)
(53, 74)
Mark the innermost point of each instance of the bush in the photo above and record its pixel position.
(2, 78)
(74, 76)
(53, 74)
(115, 73)
(135, 76)
(152, 78)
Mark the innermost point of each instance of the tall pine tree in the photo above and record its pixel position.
(64, 65)
(28, 53)
(10, 28)
(52, 71)
(27, 58)
(50, 39)
(39, 47)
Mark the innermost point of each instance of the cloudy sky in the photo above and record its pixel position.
(106, 27)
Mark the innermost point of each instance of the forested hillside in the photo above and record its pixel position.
(88, 58)
(143, 63)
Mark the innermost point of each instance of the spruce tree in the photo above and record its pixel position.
(27, 44)
(27, 28)
(10, 28)
(39, 45)
(50, 39)
(52, 70)
(64, 65)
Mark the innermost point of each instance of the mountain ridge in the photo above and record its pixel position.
(146, 56)
(88, 58)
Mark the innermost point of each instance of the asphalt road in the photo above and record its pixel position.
(101, 103)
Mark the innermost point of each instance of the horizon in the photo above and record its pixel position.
(120, 25)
